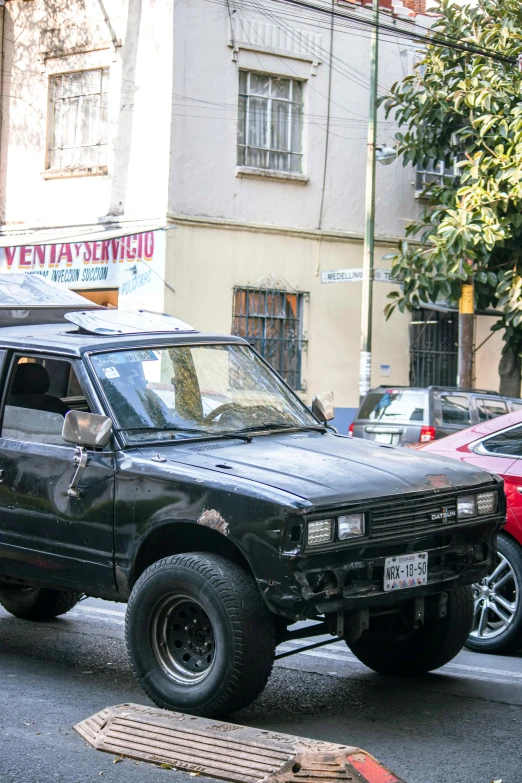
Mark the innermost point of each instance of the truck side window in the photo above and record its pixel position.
(41, 392)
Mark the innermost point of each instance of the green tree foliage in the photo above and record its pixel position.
(466, 107)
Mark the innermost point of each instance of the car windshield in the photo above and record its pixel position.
(187, 391)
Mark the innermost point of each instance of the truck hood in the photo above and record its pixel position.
(326, 469)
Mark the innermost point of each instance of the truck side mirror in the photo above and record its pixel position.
(86, 429)
(323, 406)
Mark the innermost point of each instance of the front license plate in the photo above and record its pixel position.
(382, 437)
(405, 571)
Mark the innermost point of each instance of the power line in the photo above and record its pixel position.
(287, 65)
(439, 39)
(344, 69)
(317, 22)
(449, 42)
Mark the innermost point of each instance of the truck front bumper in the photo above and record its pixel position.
(353, 578)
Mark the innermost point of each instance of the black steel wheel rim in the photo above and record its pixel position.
(183, 639)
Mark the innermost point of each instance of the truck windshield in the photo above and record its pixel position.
(182, 391)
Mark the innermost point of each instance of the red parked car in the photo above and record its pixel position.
(496, 446)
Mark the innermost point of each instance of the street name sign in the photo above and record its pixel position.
(356, 275)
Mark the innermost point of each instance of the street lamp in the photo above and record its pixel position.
(385, 155)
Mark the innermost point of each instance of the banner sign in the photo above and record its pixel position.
(100, 263)
(133, 264)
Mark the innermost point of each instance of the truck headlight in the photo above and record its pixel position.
(487, 503)
(320, 532)
(467, 506)
(350, 525)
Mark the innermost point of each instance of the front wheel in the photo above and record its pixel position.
(497, 623)
(199, 635)
(395, 651)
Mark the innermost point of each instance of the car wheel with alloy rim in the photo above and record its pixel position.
(497, 620)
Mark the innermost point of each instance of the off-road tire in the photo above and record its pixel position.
(37, 603)
(242, 626)
(434, 644)
(511, 639)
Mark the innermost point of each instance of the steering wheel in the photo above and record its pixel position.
(227, 406)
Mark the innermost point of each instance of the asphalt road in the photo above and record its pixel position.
(462, 724)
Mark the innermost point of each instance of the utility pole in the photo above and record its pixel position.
(466, 318)
(365, 360)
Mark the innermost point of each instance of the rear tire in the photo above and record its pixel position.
(502, 592)
(37, 603)
(434, 644)
(199, 635)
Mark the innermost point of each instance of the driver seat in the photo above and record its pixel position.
(29, 390)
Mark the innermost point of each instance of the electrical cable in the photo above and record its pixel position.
(443, 39)
(286, 64)
(343, 68)
(440, 39)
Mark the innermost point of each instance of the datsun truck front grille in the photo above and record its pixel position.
(413, 517)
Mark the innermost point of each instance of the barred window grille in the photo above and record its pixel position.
(272, 321)
(270, 126)
(433, 348)
(435, 172)
(78, 133)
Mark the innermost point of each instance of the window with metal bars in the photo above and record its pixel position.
(78, 131)
(272, 322)
(433, 348)
(435, 172)
(270, 126)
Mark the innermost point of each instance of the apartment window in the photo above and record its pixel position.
(270, 122)
(78, 134)
(435, 172)
(272, 321)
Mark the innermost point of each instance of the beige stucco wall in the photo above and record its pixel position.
(205, 262)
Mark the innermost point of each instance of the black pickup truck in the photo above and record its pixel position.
(145, 462)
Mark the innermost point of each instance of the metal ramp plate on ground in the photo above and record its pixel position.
(226, 751)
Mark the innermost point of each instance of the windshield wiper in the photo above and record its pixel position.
(273, 425)
(175, 428)
(160, 428)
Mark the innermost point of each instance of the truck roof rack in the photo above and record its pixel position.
(439, 388)
(29, 299)
(115, 323)
(467, 390)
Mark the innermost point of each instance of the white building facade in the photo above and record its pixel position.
(207, 158)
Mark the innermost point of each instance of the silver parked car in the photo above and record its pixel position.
(404, 415)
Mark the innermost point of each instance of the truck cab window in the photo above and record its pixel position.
(41, 392)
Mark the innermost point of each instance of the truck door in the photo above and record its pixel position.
(46, 533)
